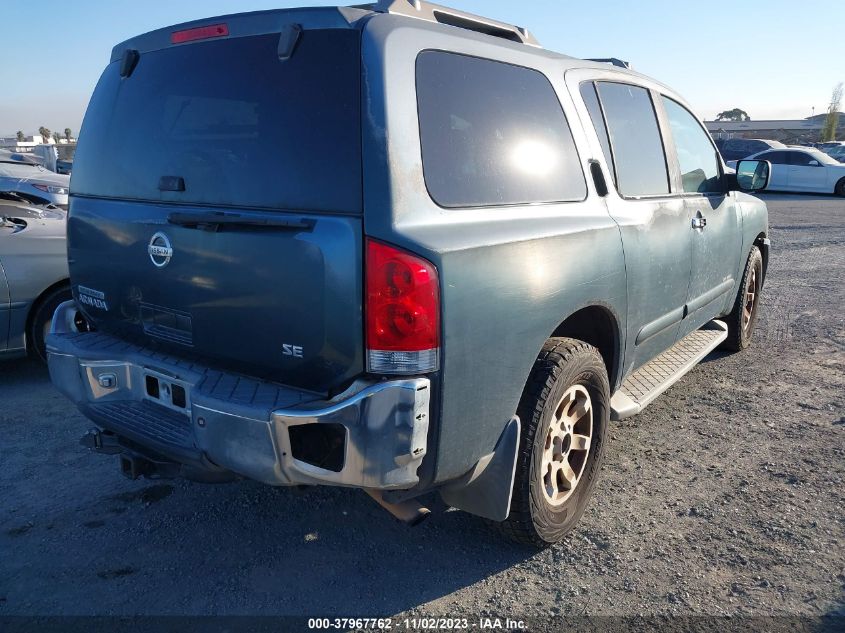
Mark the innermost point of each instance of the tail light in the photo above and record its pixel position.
(402, 312)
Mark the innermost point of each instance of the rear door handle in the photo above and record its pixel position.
(699, 223)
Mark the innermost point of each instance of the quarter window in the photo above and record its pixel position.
(696, 154)
(493, 134)
(640, 161)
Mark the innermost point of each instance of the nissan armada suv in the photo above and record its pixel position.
(394, 247)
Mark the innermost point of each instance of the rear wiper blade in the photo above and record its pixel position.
(214, 219)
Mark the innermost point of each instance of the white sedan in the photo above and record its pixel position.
(802, 169)
(20, 174)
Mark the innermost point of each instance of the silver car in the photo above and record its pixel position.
(23, 175)
(33, 274)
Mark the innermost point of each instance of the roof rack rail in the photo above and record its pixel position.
(453, 17)
(611, 60)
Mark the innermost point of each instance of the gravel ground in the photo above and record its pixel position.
(724, 497)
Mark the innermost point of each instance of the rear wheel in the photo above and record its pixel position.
(565, 410)
(743, 317)
(41, 319)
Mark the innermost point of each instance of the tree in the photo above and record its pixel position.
(831, 122)
(21, 136)
(45, 133)
(67, 134)
(733, 115)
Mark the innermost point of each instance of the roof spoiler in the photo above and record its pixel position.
(615, 61)
(453, 17)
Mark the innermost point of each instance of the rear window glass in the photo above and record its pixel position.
(241, 127)
(493, 134)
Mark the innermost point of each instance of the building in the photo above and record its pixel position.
(784, 130)
(12, 144)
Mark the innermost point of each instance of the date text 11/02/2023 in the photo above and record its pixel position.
(417, 624)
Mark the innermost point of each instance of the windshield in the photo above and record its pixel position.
(237, 125)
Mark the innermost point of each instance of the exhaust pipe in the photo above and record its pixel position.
(410, 512)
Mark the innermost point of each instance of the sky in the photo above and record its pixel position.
(774, 59)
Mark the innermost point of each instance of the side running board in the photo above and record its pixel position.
(656, 376)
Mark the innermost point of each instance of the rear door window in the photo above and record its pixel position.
(639, 159)
(801, 159)
(776, 158)
(239, 126)
(493, 134)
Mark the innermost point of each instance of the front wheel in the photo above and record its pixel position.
(743, 317)
(839, 190)
(565, 411)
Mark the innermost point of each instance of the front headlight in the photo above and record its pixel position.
(51, 189)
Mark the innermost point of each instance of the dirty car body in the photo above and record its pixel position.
(332, 302)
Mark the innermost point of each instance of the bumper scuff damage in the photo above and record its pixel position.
(169, 407)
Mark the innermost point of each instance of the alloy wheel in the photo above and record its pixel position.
(567, 445)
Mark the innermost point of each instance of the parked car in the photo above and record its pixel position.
(64, 166)
(837, 153)
(64, 158)
(33, 274)
(807, 170)
(24, 175)
(830, 145)
(738, 148)
(400, 248)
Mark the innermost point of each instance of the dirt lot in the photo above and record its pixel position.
(726, 496)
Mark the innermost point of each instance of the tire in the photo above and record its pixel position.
(839, 189)
(567, 375)
(741, 320)
(41, 318)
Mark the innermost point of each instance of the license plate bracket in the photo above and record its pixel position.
(163, 390)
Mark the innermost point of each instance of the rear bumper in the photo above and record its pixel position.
(237, 423)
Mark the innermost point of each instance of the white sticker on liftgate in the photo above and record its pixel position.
(93, 298)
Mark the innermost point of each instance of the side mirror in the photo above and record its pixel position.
(813, 163)
(753, 175)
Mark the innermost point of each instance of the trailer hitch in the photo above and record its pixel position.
(101, 441)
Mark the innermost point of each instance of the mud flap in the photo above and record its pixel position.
(486, 489)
